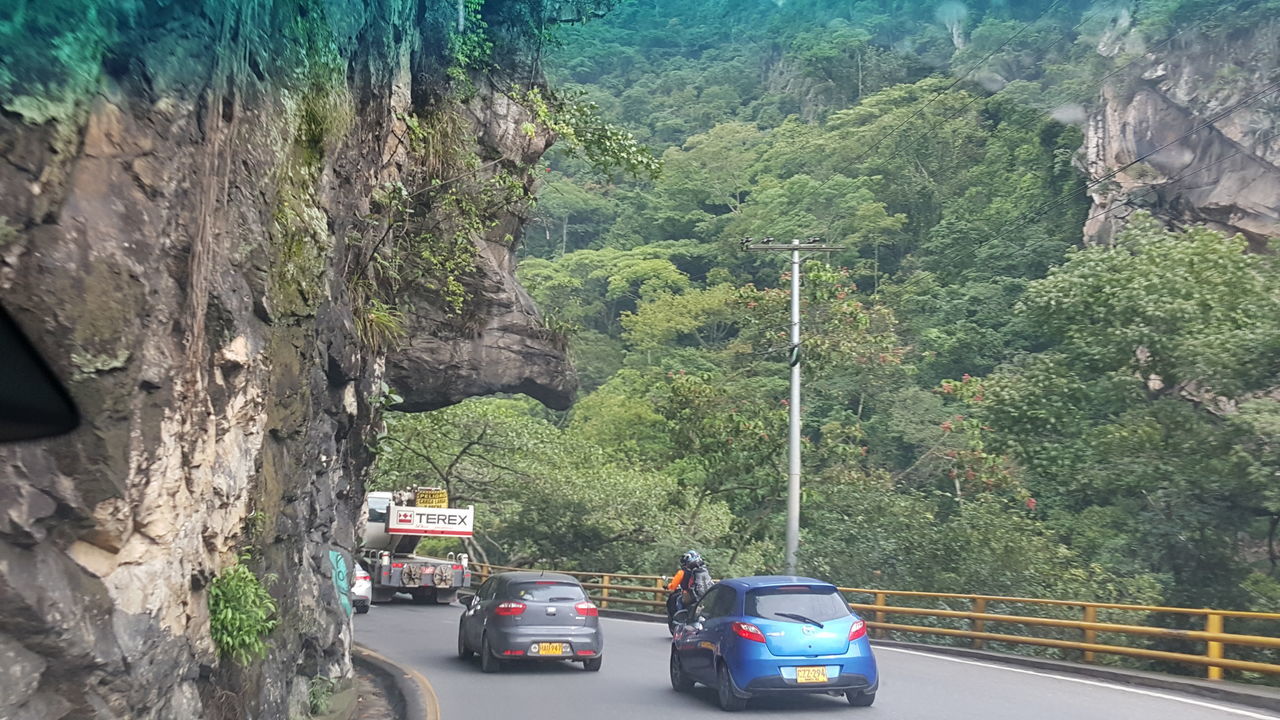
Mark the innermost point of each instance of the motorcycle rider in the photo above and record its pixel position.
(695, 578)
(691, 582)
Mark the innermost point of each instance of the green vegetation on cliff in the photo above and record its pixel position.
(241, 613)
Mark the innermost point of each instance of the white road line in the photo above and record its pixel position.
(1096, 683)
(1124, 688)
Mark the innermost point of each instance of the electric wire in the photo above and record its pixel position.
(1040, 118)
(929, 132)
(959, 79)
(950, 168)
(1040, 211)
(1154, 188)
(1128, 203)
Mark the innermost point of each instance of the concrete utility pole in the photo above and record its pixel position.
(793, 444)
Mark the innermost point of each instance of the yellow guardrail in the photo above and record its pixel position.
(649, 592)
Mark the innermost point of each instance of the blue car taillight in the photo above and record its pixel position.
(857, 630)
(748, 631)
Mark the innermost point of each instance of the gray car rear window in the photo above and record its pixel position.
(546, 591)
(815, 603)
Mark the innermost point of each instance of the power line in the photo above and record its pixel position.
(1128, 203)
(1153, 188)
(959, 79)
(1095, 216)
(1167, 41)
(1024, 125)
(931, 130)
(1101, 81)
(1037, 213)
(1021, 126)
(1040, 211)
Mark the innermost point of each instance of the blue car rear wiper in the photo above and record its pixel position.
(801, 618)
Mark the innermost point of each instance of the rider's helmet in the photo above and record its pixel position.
(690, 560)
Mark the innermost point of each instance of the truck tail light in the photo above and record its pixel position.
(457, 567)
(587, 609)
(510, 608)
(858, 630)
(747, 631)
(397, 565)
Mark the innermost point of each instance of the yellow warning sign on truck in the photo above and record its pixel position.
(431, 498)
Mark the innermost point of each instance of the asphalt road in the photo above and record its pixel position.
(633, 684)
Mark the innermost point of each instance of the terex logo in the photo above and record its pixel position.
(432, 521)
(436, 518)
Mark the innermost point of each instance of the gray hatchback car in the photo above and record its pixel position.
(530, 616)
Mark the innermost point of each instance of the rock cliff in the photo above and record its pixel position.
(187, 224)
(1220, 92)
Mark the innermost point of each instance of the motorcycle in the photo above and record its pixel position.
(675, 603)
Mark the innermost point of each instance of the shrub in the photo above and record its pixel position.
(241, 613)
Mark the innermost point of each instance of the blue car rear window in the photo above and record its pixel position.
(815, 603)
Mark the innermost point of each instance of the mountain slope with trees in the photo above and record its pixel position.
(991, 403)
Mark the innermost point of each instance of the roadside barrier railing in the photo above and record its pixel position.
(1084, 629)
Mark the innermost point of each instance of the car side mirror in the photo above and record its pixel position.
(681, 616)
(467, 600)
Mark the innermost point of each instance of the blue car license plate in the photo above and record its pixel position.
(815, 674)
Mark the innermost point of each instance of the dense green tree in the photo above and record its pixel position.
(1150, 345)
(541, 497)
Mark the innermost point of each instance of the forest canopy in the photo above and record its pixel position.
(991, 405)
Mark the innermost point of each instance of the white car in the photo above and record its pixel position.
(361, 590)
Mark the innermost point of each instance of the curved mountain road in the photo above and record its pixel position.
(633, 684)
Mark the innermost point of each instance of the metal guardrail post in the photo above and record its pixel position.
(1090, 636)
(979, 606)
(880, 602)
(604, 591)
(1213, 624)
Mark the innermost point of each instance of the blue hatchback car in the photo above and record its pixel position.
(773, 634)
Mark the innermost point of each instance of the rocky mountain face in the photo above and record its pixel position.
(179, 241)
(1221, 93)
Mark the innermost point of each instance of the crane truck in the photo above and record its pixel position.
(394, 524)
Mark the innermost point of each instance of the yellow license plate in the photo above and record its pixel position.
(816, 674)
(550, 648)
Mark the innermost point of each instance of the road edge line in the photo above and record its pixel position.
(418, 698)
(1257, 697)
